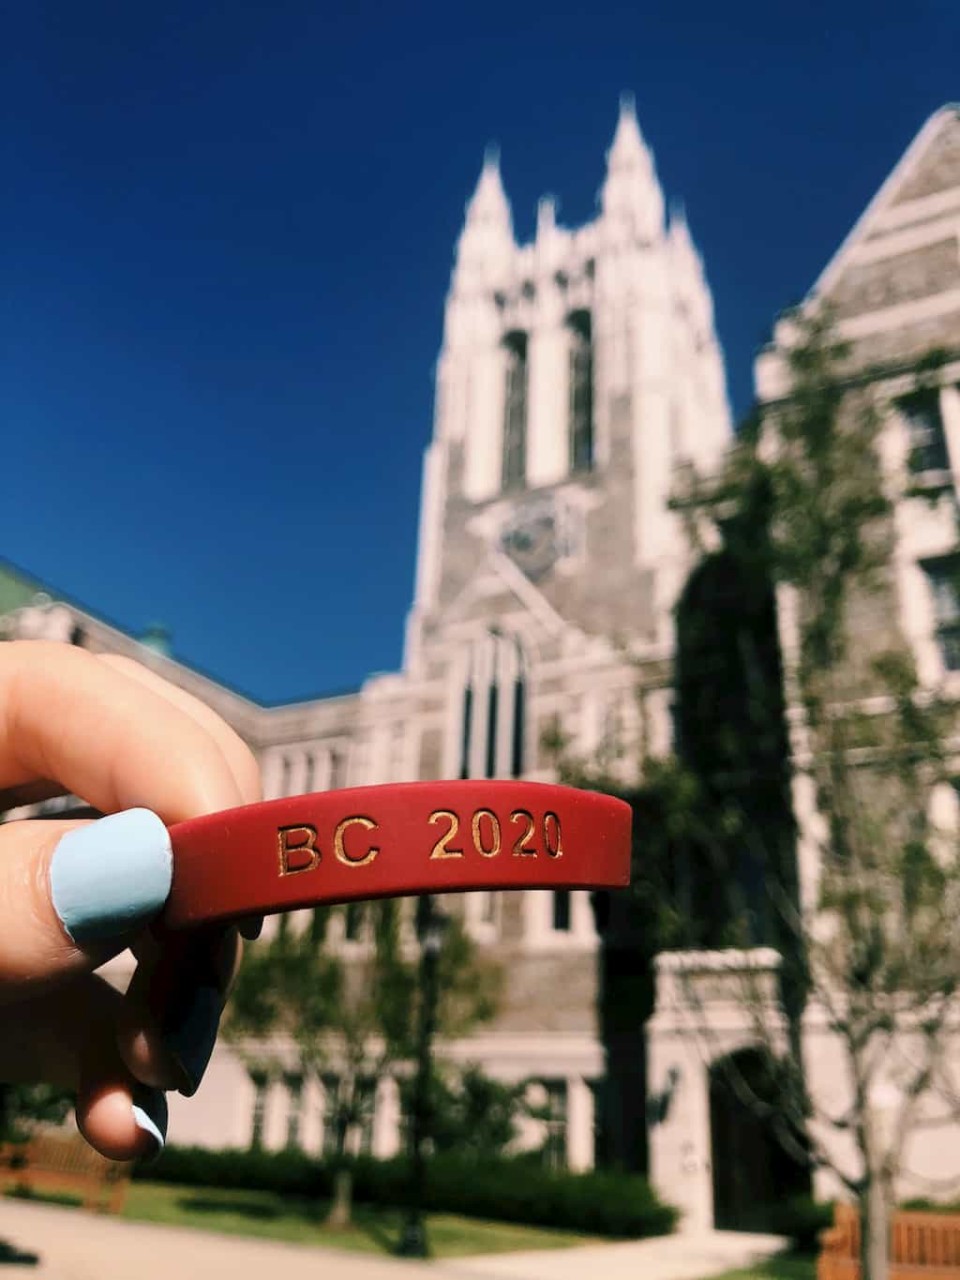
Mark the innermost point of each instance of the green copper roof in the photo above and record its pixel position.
(16, 589)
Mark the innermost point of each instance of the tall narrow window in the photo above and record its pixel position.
(260, 1083)
(493, 706)
(928, 444)
(561, 910)
(466, 732)
(581, 391)
(944, 578)
(492, 714)
(367, 1107)
(294, 1110)
(318, 925)
(332, 1114)
(555, 1144)
(309, 773)
(352, 922)
(338, 769)
(519, 726)
(515, 413)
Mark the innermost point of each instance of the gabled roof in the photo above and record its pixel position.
(497, 578)
(18, 589)
(930, 164)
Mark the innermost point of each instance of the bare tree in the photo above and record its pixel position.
(875, 922)
(869, 936)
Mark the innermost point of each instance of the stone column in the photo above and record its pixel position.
(298, 772)
(271, 765)
(386, 1120)
(579, 1124)
(311, 1116)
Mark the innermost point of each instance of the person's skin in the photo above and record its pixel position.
(127, 743)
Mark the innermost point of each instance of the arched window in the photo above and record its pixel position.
(580, 421)
(518, 727)
(515, 412)
(493, 709)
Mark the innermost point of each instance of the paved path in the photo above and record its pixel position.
(73, 1245)
(66, 1244)
(679, 1257)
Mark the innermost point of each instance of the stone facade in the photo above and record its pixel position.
(895, 288)
(576, 372)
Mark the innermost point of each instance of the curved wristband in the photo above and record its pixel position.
(383, 841)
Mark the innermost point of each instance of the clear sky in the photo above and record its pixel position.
(227, 230)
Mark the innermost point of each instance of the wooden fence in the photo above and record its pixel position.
(923, 1246)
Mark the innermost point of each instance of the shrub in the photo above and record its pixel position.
(923, 1205)
(598, 1203)
(801, 1218)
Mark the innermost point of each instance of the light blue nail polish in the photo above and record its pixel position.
(190, 1032)
(150, 1114)
(110, 876)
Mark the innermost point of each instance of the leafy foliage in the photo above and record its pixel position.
(516, 1190)
(471, 1115)
(348, 1019)
(24, 1105)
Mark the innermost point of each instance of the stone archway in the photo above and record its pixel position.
(752, 1173)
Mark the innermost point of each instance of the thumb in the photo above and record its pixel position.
(72, 894)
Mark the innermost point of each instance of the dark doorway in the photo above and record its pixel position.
(753, 1174)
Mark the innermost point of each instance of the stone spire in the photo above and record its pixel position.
(632, 200)
(688, 274)
(486, 242)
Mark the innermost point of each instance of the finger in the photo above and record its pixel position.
(171, 1013)
(72, 894)
(68, 1038)
(29, 793)
(240, 759)
(64, 715)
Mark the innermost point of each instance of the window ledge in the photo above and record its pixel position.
(925, 484)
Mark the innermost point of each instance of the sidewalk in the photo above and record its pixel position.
(73, 1245)
(67, 1244)
(678, 1257)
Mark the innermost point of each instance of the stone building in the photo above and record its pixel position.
(894, 287)
(576, 372)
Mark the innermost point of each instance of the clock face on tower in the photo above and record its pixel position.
(531, 537)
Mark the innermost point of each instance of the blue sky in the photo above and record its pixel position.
(227, 232)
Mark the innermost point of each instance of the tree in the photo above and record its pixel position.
(803, 515)
(872, 938)
(472, 1115)
(350, 1021)
(24, 1105)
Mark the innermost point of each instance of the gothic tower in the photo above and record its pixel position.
(576, 373)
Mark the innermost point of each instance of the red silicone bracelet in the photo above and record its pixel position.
(406, 838)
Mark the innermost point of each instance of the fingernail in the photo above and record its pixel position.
(190, 1032)
(150, 1115)
(251, 928)
(110, 876)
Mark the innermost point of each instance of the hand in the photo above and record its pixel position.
(73, 894)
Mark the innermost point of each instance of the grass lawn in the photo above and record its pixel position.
(375, 1230)
(785, 1266)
